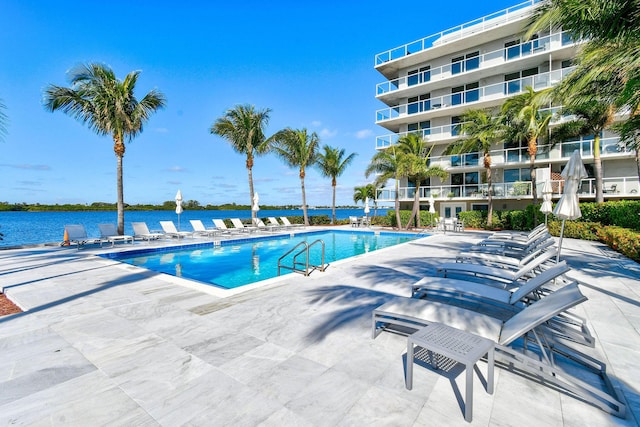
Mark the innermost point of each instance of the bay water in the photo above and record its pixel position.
(28, 228)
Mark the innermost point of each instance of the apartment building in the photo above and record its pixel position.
(431, 82)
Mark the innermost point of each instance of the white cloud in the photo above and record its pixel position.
(176, 169)
(327, 133)
(161, 130)
(316, 123)
(364, 133)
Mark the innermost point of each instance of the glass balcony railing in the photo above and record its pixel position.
(468, 29)
(483, 93)
(495, 58)
(612, 187)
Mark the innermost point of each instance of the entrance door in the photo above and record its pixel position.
(451, 209)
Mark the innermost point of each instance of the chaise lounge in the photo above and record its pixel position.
(109, 233)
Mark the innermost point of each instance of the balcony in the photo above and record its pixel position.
(609, 147)
(494, 92)
(469, 29)
(627, 187)
(491, 59)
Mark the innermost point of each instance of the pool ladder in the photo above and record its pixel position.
(303, 267)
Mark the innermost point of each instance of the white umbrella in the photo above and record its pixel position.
(179, 206)
(568, 206)
(547, 206)
(256, 201)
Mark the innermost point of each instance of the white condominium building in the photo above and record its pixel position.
(431, 82)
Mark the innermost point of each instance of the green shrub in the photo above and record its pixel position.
(575, 229)
(425, 218)
(622, 240)
(315, 220)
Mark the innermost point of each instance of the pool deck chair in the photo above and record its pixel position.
(288, 223)
(518, 235)
(77, 234)
(503, 274)
(170, 230)
(273, 221)
(257, 222)
(513, 261)
(200, 230)
(141, 231)
(222, 227)
(240, 226)
(109, 233)
(521, 345)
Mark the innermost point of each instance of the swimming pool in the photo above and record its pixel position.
(236, 263)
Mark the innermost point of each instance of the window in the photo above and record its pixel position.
(417, 104)
(455, 129)
(470, 61)
(512, 49)
(457, 65)
(424, 126)
(514, 175)
(466, 93)
(514, 82)
(456, 95)
(421, 75)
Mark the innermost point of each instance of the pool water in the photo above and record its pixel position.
(235, 264)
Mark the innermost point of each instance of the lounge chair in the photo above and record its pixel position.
(109, 233)
(514, 244)
(518, 236)
(257, 222)
(503, 274)
(509, 248)
(288, 224)
(222, 227)
(521, 345)
(199, 229)
(515, 260)
(77, 234)
(170, 230)
(273, 221)
(141, 231)
(239, 225)
(353, 221)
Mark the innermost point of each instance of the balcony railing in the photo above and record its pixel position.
(468, 29)
(562, 151)
(484, 93)
(495, 58)
(613, 187)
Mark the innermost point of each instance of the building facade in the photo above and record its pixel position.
(431, 82)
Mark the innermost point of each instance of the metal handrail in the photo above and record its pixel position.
(304, 250)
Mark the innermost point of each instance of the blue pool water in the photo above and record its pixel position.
(238, 263)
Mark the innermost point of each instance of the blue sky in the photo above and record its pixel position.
(310, 62)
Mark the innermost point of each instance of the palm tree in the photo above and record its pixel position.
(591, 118)
(3, 121)
(109, 107)
(387, 165)
(414, 158)
(482, 131)
(360, 194)
(525, 122)
(243, 127)
(298, 149)
(332, 164)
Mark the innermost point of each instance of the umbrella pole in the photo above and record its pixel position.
(545, 219)
(178, 222)
(560, 242)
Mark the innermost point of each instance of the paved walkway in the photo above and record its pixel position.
(104, 343)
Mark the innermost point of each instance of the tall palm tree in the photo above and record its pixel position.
(483, 130)
(414, 158)
(298, 149)
(591, 118)
(332, 163)
(108, 106)
(526, 122)
(243, 127)
(387, 165)
(360, 194)
(3, 120)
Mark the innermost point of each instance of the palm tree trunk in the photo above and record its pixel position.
(416, 207)
(250, 173)
(304, 199)
(597, 168)
(397, 205)
(489, 198)
(533, 149)
(120, 190)
(333, 202)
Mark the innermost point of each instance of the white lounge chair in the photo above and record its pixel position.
(257, 222)
(109, 233)
(141, 231)
(503, 274)
(521, 344)
(77, 234)
(170, 230)
(288, 224)
(222, 227)
(199, 229)
(273, 221)
(353, 221)
(240, 226)
(518, 236)
(510, 248)
(513, 260)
